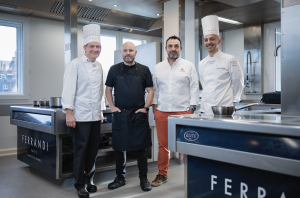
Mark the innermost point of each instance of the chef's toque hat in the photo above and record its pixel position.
(91, 33)
(210, 25)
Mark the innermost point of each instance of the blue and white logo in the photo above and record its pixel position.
(191, 135)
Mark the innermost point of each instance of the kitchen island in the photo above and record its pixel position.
(249, 154)
(44, 142)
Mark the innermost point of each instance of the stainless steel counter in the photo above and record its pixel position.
(45, 119)
(280, 132)
(248, 121)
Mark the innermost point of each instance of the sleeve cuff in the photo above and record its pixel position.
(154, 101)
(236, 100)
(194, 102)
(68, 107)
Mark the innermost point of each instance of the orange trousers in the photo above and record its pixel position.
(161, 120)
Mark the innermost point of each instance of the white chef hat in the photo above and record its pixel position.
(210, 25)
(91, 33)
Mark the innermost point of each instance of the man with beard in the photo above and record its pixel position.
(130, 126)
(176, 91)
(81, 98)
(220, 74)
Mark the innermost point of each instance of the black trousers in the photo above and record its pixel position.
(86, 141)
(120, 157)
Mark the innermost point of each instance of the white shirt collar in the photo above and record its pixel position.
(87, 60)
(177, 61)
(216, 54)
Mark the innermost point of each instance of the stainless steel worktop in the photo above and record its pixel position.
(44, 119)
(275, 128)
(248, 121)
(34, 108)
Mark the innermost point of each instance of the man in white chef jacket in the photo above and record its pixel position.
(220, 74)
(81, 98)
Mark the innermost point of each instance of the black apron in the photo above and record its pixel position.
(130, 130)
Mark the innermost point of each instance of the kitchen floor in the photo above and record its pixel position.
(17, 181)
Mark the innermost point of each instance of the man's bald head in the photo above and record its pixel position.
(128, 52)
(128, 44)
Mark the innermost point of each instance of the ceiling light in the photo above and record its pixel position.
(130, 30)
(157, 14)
(90, 0)
(115, 5)
(229, 21)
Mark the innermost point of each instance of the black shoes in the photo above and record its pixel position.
(145, 185)
(83, 193)
(91, 188)
(116, 183)
(89, 182)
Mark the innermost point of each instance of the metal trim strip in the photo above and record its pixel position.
(33, 126)
(186, 176)
(266, 128)
(262, 162)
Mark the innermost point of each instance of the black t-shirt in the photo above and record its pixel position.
(142, 71)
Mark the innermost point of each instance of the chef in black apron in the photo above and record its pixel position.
(130, 126)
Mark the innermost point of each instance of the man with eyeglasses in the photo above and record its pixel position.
(176, 91)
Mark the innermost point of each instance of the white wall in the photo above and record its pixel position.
(8, 136)
(46, 62)
(171, 24)
(147, 54)
(46, 58)
(120, 36)
(47, 55)
(190, 39)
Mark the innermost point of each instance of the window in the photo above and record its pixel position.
(278, 60)
(136, 42)
(11, 58)
(106, 58)
(5, 86)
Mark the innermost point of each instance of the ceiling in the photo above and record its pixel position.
(147, 8)
(248, 12)
(140, 15)
(88, 12)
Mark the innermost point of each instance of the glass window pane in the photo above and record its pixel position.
(8, 60)
(106, 58)
(136, 42)
(278, 60)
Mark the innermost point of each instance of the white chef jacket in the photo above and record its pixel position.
(175, 87)
(83, 89)
(222, 80)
